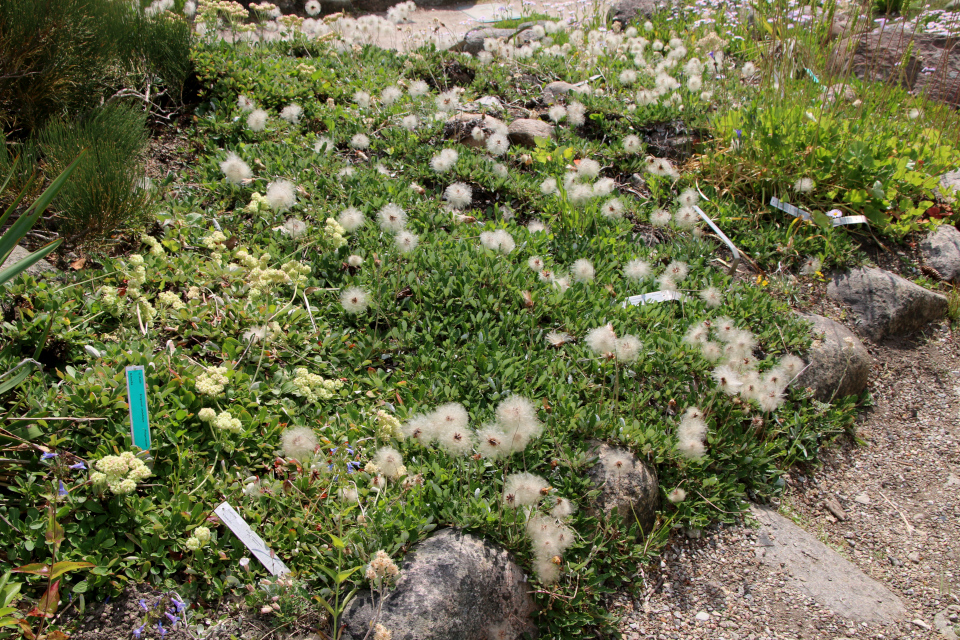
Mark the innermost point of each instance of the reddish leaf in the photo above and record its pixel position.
(35, 568)
(49, 601)
(61, 568)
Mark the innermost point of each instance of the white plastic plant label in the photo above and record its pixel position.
(229, 516)
(657, 296)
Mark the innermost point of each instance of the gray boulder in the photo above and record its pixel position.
(623, 11)
(555, 89)
(886, 304)
(525, 131)
(626, 483)
(941, 250)
(460, 127)
(837, 364)
(452, 586)
(472, 41)
(19, 253)
(949, 185)
(924, 63)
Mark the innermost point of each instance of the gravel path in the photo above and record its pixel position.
(894, 512)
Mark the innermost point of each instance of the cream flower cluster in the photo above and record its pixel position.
(381, 567)
(214, 241)
(199, 539)
(333, 235)
(224, 420)
(155, 248)
(258, 204)
(212, 381)
(389, 426)
(120, 473)
(134, 299)
(313, 387)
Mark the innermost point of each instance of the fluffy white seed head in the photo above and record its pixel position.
(351, 219)
(582, 271)
(354, 300)
(281, 195)
(602, 340)
(257, 120)
(235, 169)
(459, 195)
(393, 219)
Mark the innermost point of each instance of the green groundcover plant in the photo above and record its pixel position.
(359, 322)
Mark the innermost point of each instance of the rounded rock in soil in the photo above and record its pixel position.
(627, 484)
(838, 363)
(452, 586)
(941, 251)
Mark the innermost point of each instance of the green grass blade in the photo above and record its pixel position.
(14, 270)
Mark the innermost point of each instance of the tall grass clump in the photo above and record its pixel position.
(804, 128)
(105, 192)
(66, 56)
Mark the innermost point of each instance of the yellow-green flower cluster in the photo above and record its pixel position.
(296, 272)
(170, 299)
(119, 473)
(306, 69)
(389, 425)
(313, 387)
(212, 381)
(134, 298)
(210, 10)
(223, 421)
(214, 241)
(258, 204)
(200, 537)
(333, 235)
(155, 246)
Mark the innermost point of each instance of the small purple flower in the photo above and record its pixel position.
(143, 604)
(739, 132)
(47, 456)
(63, 490)
(77, 467)
(138, 631)
(163, 631)
(172, 618)
(179, 606)
(710, 54)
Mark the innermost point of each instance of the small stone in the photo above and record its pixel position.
(941, 251)
(920, 623)
(838, 363)
(952, 481)
(895, 561)
(525, 131)
(914, 557)
(703, 616)
(555, 89)
(834, 507)
(18, 254)
(862, 498)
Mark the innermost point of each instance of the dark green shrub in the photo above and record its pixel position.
(104, 193)
(65, 56)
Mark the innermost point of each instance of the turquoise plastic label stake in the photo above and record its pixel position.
(137, 399)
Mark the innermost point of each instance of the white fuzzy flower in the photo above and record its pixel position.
(354, 300)
(444, 160)
(292, 113)
(298, 443)
(632, 144)
(406, 241)
(393, 218)
(390, 95)
(410, 123)
(281, 195)
(549, 187)
(257, 120)
(588, 169)
(360, 141)
(602, 340)
(362, 98)
(235, 169)
(576, 114)
(418, 88)
(459, 195)
(351, 219)
(312, 7)
(499, 240)
(245, 104)
(582, 270)
(323, 144)
(498, 144)
(557, 113)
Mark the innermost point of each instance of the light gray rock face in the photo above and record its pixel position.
(472, 41)
(949, 186)
(555, 89)
(822, 573)
(623, 11)
(19, 253)
(838, 364)
(525, 131)
(460, 126)
(452, 586)
(941, 250)
(886, 304)
(896, 53)
(625, 483)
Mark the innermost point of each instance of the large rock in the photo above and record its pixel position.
(18, 254)
(460, 127)
(526, 131)
(949, 186)
(886, 304)
(452, 586)
(623, 11)
(941, 250)
(823, 574)
(838, 364)
(555, 89)
(924, 63)
(472, 41)
(626, 483)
